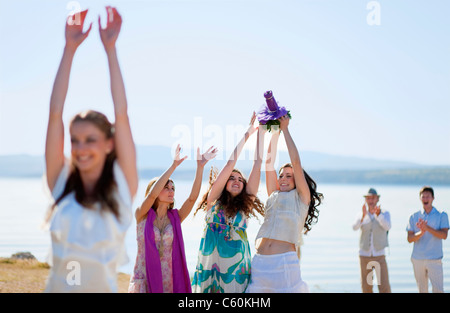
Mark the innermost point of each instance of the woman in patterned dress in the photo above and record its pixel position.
(161, 261)
(224, 257)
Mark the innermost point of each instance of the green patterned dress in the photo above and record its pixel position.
(224, 258)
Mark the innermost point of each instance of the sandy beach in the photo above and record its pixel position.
(30, 276)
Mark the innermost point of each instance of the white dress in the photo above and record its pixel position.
(87, 244)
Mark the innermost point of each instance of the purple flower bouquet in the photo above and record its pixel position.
(271, 112)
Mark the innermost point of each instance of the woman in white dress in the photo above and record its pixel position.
(93, 190)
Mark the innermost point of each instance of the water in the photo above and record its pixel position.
(329, 261)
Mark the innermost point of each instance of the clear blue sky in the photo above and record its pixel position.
(353, 89)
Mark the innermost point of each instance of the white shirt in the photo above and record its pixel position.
(87, 244)
(284, 219)
(385, 221)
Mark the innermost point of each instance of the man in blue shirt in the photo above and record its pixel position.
(426, 229)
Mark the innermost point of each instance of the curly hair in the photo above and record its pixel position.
(246, 203)
(316, 200)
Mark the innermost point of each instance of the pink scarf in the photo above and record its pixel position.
(180, 274)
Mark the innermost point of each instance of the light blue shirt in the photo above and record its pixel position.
(428, 247)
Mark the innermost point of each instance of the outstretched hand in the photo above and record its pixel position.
(252, 128)
(110, 33)
(177, 160)
(74, 29)
(202, 159)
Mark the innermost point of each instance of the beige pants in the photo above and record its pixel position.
(376, 264)
(432, 269)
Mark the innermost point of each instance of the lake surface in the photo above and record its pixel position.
(329, 262)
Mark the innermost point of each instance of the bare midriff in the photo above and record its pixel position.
(268, 246)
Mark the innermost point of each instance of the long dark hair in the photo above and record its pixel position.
(106, 185)
(244, 202)
(316, 200)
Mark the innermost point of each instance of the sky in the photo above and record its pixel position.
(361, 78)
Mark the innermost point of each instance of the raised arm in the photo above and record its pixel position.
(202, 159)
(123, 139)
(158, 186)
(271, 174)
(54, 145)
(299, 176)
(255, 175)
(222, 178)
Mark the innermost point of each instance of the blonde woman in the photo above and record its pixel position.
(161, 261)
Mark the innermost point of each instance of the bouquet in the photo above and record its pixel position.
(270, 113)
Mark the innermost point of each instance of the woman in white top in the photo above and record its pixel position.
(93, 190)
(290, 210)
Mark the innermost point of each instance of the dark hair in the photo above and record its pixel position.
(106, 185)
(243, 202)
(316, 200)
(426, 188)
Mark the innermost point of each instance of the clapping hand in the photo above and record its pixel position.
(375, 210)
(422, 225)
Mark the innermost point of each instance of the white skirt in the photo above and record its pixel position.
(277, 273)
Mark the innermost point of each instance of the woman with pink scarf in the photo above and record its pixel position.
(161, 261)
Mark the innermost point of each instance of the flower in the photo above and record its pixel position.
(271, 112)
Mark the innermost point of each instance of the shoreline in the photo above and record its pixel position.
(30, 276)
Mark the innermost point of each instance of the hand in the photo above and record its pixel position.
(284, 122)
(202, 159)
(177, 160)
(109, 34)
(376, 210)
(252, 129)
(275, 129)
(262, 129)
(364, 211)
(422, 225)
(74, 30)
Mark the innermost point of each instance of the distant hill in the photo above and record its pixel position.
(156, 157)
(325, 168)
(409, 176)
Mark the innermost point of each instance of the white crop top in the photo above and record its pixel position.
(285, 216)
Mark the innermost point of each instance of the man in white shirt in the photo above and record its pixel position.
(374, 224)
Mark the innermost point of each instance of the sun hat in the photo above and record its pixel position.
(271, 112)
(371, 192)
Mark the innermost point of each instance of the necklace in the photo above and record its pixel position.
(229, 221)
(161, 223)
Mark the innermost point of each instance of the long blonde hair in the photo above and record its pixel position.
(149, 188)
